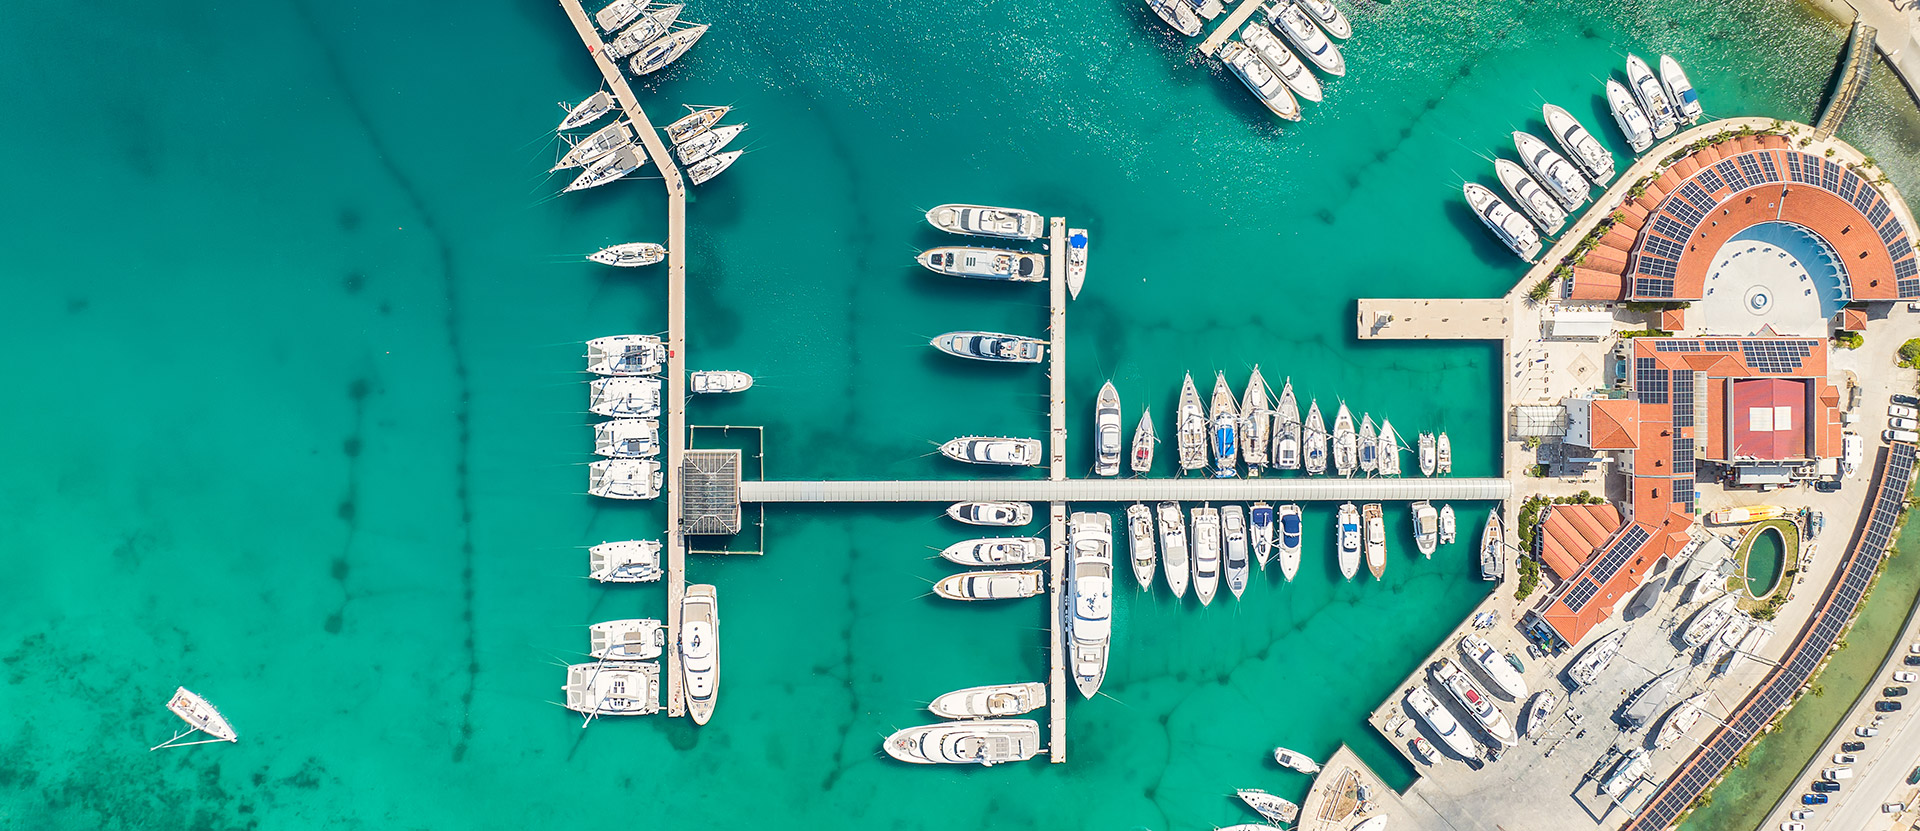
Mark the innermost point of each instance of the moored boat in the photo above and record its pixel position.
(1009, 584)
(1140, 543)
(627, 438)
(1461, 687)
(1389, 456)
(634, 639)
(1680, 93)
(1008, 514)
(1143, 441)
(1267, 87)
(1285, 65)
(1090, 625)
(1580, 145)
(990, 701)
(1076, 260)
(996, 551)
(706, 143)
(1369, 444)
(613, 688)
(1223, 429)
(985, 263)
(1428, 459)
(648, 29)
(711, 166)
(1177, 14)
(1426, 528)
(1307, 37)
(1256, 424)
(1329, 17)
(596, 146)
(1296, 760)
(1653, 99)
(1509, 227)
(1552, 171)
(1106, 422)
(201, 717)
(991, 450)
(625, 478)
(714, 381)
(1190, 425)
(1346, 445)
(624, 397)
(1206, 553)
(1376, 539)
(630, 254)
(625, 561)
(1447, 535)
(1532, 199)
(1587, 668)
(660, 53)
(1444, 726)
(1289, 523)
(1506, 680)
(617, 14)
(622, 355)
(985, 221)
(985, 742)
(1260, 519)
(590, 109)
(991, 346)
(695, 122)
(1628, 115)
(1347, 537)
(700, 650)
(1313, 440)
(1443, 455)
(1492, 564)
(609, 168)
(1286, 435)
(1173, 547)
(1273, 808)
(1233, 532)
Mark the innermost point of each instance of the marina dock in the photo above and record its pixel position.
(1057, 472)
(1226, 30)
(676, 368)
(1316, 489)
(1450, 319)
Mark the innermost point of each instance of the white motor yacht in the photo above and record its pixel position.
(1426, 528)
(1552, 171)
(625, 478)
(985, 221)
(634, 639)
(1632, 120)
(1140, 543)
(1285, 65)
(1489, 717)
(1106, 425)
(1428, 459)
(1295, 760)
(1260, 523)
(613, 688)
(985, 263)
(1653, 99)
(700, 650)
(1009, 514)
(696, 121)
(991, 346)
(1305, 36)
(1447, 528)
(1287, 522)
(624, 397)
(992, 701)
(1206, 553)
(991, 585)
(706, 143)
(658, 54)
(625, 561)
(1329, 18)
(1579, 144)
(704, 170)
(1233, 532)
(1680, 93)
(996, 551)
(1376, 527)
(1444, 455)
(630, 254)
(1173, 547)
(989, 450)
(1507, 681)
(1532, 199)
(1509, 227)
(627, 438)
(1090, 625)
(1267, 87)
(985, 743)
(716, 381)
(626, 355)
(1445, 727)
(1347, 535)
(1177, 14)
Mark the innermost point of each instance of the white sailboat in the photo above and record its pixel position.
(696, 121)
(630, 254)
(1313, 439)
(1256, 423)
(658, 54)
(1143, 442)
(201, 718)
(590, 109)
(1286, 435)
(1191, 427)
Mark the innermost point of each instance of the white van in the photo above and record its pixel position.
(1837, 774)
(1900, 435)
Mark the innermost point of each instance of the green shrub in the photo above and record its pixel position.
(1529, 578)
(1910, 354)
(1848, 340)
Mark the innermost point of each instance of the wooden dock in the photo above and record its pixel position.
(1057, 472)
(676, 403)
(1235, 19)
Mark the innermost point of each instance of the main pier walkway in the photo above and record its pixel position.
(1130, 490)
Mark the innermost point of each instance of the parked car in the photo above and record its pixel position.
(1907, 400)
(1904, 676)
(1836, 774)
(1803, 813)
(1897, 411)
(1914, 777)
(1893, 807)
(1793, 826)
(1853, 747)
(1903, 423)
(1886, 706)
(1813, 799)
(1865, 732)
(1894, 692)
(1911, 660)
(1843, 758)
(1826, 787)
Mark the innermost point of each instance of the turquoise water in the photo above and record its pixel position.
(336, 485)
(1765, 559)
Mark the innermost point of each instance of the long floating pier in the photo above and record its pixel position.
(1130, 490)
(676, 369)
(1057, 472)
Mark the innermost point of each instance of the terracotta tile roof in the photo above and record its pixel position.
(1596, 284)
(1673, 320)
(1633, 214)
(1853, 320)
(1686, 166)
(1570, 533)
(1615, 422)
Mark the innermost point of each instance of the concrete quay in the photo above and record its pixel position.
(1480, 318)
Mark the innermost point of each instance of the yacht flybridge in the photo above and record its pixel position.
(985, 221)
(991, 346)
(987, 450)
(985, 263)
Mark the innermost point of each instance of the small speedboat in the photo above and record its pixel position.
(1223, 427)
(993, 701)
(996, 551)
(1191, 427)
(719, 380)
(1256, 423)
(1206, 553)
(1173, 547)
(1296, 760)
(1329, 18)
(1273, 808)
(627, 438)
(1076, 260)
(620, 355)
(1347, 535)
(991, 585)
(1313, 440)
(1177, 14)
(1653, 99)
(1285, 65)
(985, 743)
(1509, 227)
(1680, 94)
(1447, 535)
(1006, 514)
(610, 168)
(991, 346)
(625, 478)
(1527, 193)
(1140, 543)
(695, 122)
(1426, 528)
(991, 450)
(1632, 120)
(1552, 170)
(1429, 460)
(1286, 433)
(985, 263)
(1444, 455)
(591, 108)
(1290, 526)
(1233, 531)
(613, 688)
(630, 254)
(1143, 441)
(1260, 517)
(1267, 87)
(658, 54)
(646, 30)
(704, 170)
(984, 221)
(625, 561)
(1106, 423)
(596, 146)
(1579, 144)
(635, 639)
(1376, 539)
(706, 143)
(1307, 37)
(1424, 750)
(624, 397)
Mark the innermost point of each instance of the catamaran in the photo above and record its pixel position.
(1256, 424)
(1441, 722)
(1426, 528)
(1376, 539)
(1552, 170)
(1507, 681)
(1106, 419)
(1009, 514)
(1428, 459)
(1252, 71)
(1190, 425)
(1329, 18)
(1579, 144)
(1177, 14)
(1369, 444)
(1143, 441)
(1491, 721)
(1233, 530)
(1492, 564)
(1511, 229)
(624, 397)
(1346, 446)
(991, 346)
(695, 122)
(1653, 99)
(700, 650)
(201, 717)
(1680, 93)
(1300, 31)
(1288, 520)
(589, 110)
(985, 743)
(1173, 546)
(1223, 428)
(984, 221)
(1587, 668)
(1444, 454)
(625, 478)
(711, 166)
(613, 688)
(627, 438)
(1632, 120)
(996, 551)
(610, 168)
(1288, 67)
(1206, 553)
(706, 143)
(1090, 626)
(1532, 199)
(1347, 534)
(596, 146)
(1140, 543)
(991, 450)
(992, 701)
(985, 263)
(625, 561)
(1313, 439)
(1447, 535)
(646, 30)
(633, 639)
(1389, 461)
(630, 254)
(1012, 584)
(641, 355)
(1076, 261)
(1260, 517)
(658, 54)
(1286, 436)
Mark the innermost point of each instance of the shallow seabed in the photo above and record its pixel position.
(321, 459)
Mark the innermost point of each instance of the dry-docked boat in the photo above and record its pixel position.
(1507, 681)
(1376, 539)
(1444, 726)
(1143, 441)
(596, 146)
(1286, 433)
(1140, 543)
(1256, 424)
(1509, 227)
(1106, 431)
(618, 13)
(1424, 749)
(1492, 564)
(626, 355)
(1009, 514)
(627, 438)
(1447, 535)
(625, 561)
(1539, 709)
(1346, 445)
(996, 551)
(1285, 65)
(1190, 425)
(700, 650)
(1444, 455)
(624, 397)
(1707, 622)
(1223, 429)
(1428, 460)
(1296, 760)
(1552, 170)
(1653, 100)
(1680, 719)
(658, 54)
(1090, 625)
(1206, 553)
(985, 743)
(1313, 441)
(1680, 93)
(991, 585)
(1304, 35)
(634, 639)
(1646, 701)
(713, 381)
(608, 168)
(589, 110)
(1532, 199)
(1177, 14)
(1288, 521)
(1586, 668)
(695, 122)
(1489, 717)
(1267, 87)
(711, 166)
(1426, 528)
(1173, 547)
(1369, 445)
(986, 263)
(1626, 776)
(992, 701)
(1632, 120)
(1729, 638)
(201, 717)
(1076, 260)
(706, 143)
(613, 688)
(985, 221)
(1273, 808)
(1579, 144)
(1260, 521)
(1233, 533)
(630, 254)
(625, 478)
(646, 30)
(1329, 18)
(993, 450)
(1389, 461)
(991, 346)
(1347, 535)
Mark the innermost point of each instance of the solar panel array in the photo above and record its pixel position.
(1649, 381)
(1657, 253)
(1777, 691)
(1775, 356)
(1604, 568)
